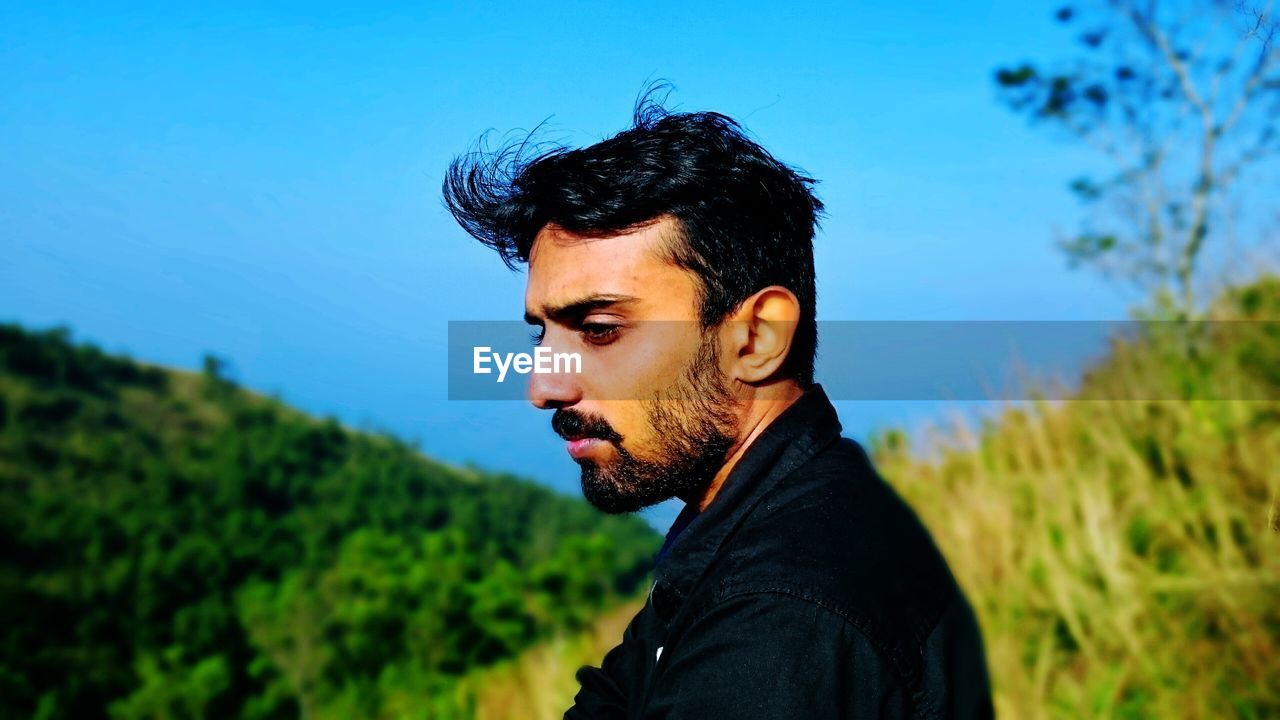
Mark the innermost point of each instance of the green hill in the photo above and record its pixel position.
(176, 546)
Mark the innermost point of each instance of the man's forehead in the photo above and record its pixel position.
(564, 267)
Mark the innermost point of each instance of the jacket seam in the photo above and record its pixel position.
(859, 625)
(919, 696)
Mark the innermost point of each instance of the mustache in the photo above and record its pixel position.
(573, 425)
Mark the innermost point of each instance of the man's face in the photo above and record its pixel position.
(652, 414)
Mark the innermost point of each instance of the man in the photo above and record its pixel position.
(677, 259)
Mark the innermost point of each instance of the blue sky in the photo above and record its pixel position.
(263, 183)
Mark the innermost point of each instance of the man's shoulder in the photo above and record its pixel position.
(833, 533)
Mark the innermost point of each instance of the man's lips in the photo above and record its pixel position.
(583, 447)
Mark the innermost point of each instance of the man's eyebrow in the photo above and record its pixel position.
(579, 307)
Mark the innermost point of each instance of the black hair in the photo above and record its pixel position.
(746, 220)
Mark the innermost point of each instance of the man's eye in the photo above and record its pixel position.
(599, 333)
(536, 336)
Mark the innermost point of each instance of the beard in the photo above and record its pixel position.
(693, 424)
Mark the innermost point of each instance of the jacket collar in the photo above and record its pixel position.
(795, 436)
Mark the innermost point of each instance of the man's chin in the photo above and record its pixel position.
(609, 497)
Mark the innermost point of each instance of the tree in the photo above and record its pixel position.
(1180, 99)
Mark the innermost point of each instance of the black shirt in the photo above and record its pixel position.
(686, 516)
(806, 589)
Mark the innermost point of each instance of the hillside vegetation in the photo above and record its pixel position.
(1124, 555)
(177, 547)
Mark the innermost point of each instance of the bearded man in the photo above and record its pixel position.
(676, 258)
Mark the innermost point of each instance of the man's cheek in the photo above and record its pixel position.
(607, 379)
(619, 422)
(639, 441)
(643, 369)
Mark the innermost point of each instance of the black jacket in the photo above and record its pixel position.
(806, 589)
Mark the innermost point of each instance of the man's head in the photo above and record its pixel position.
(677, 259)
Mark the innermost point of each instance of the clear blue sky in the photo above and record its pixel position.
(263, 184)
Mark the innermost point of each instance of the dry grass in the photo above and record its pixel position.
(1124, 555)
(1114, 577)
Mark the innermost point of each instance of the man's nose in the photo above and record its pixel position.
(554, 390)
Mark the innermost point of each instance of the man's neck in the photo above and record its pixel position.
(764, 410)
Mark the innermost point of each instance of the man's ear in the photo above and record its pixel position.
(760, 334)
